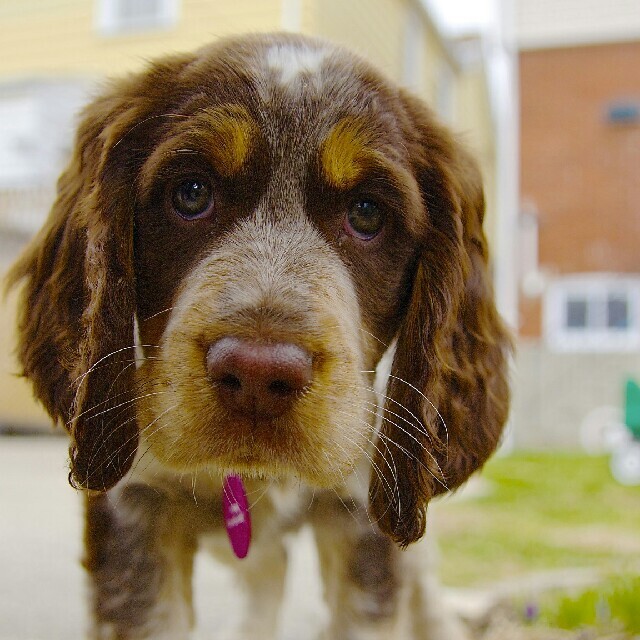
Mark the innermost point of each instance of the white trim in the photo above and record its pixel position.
(291, 17)
(20, 132)
(445, 99)
(564, 41)
(544, 24)
(112, 20)
(595, 290)
(24, 210)
(532, 278)
(504, 87)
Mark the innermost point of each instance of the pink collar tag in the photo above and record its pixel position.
(235, 507)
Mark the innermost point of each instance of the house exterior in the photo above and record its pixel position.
(53, 53)
(579, 302)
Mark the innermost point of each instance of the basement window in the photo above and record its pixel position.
(624, 112)
(593, 313)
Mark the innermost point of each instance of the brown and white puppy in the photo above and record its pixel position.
(241, 234)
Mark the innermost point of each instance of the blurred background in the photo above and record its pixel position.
(546, 542)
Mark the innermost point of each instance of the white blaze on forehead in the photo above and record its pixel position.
(291, 61)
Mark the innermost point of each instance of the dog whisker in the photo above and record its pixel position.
(375, 466)
(418, 425)
(433, 406)
(350, 511)
(144, 431)
(392, 493)
(362, 482)
(194, 479)
(384, 344)
(155, 315)
(335, 491)
(111, 354)
(102, 363)
(120, 405)
(263, 493)
(438, 478)
(113, 453)
(410, 435)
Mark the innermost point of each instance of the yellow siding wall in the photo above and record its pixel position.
(431, 59)
(59, 36)
(17, 406)
(378, 31)
(372, 28)
(473, 121)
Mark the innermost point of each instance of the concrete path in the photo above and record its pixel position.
(42, 582)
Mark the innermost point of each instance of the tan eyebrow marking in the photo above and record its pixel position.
(234, 131)
(346, 152)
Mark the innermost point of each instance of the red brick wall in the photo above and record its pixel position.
(581, 172)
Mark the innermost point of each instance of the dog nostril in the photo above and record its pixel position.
(281, 388)
(230, 382)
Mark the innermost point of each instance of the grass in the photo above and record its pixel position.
(539, 512)
(615, 603)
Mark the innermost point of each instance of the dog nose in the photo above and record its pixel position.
(258, 379)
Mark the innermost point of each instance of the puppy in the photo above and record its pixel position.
(241, 235)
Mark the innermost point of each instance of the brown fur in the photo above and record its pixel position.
(290, 149)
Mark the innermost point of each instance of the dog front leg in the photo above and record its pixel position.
(262, 578)
(139, 557)
(368, 586)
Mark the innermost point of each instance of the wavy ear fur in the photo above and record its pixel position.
(76, 320)
(448, 393)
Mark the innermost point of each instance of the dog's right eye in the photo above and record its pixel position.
(192, 198)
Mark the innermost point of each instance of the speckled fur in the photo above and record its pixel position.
(122, 297)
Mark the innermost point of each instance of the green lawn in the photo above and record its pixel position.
(613, 604)
(537, 512)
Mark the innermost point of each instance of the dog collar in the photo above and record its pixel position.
(235, 507)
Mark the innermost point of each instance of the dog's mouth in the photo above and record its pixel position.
(272, 453)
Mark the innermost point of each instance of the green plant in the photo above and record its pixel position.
(612, 605)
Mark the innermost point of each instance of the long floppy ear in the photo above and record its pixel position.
(448, 394)
(76, 320)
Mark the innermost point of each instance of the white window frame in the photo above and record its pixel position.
(20, 131)
(595, 289)
(445, 102)
(111, 20)
(291, 15)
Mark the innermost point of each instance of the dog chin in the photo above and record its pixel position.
(254, 464)
(255, 467)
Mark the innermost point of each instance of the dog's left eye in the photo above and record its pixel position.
(192, 198)
(364, 219)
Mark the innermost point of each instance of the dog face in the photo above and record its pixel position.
(273, 213)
